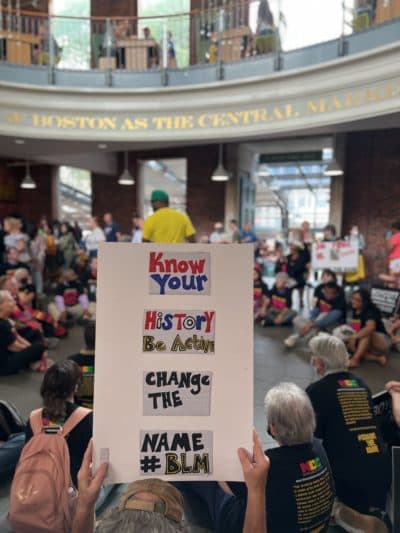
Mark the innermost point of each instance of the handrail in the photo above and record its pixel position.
(217, 35)
(197, 11)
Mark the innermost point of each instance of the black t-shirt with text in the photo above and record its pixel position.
(359, 320)
(338, 303)
(280, 298)
(347, 427)
(299, 495)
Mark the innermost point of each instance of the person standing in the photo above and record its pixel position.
(95, 237)
(67, 245)
(111, 229)
(137, 231)
(166, 225)
(234, 235)
(248, 234)
(218, 235)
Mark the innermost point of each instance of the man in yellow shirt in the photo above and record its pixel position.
(166, 225)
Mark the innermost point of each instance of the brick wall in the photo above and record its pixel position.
(113, 8)
(109, 196)
(372, 190)
(205, 199)
(32, 204)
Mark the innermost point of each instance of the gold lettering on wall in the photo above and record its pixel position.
(214, 119)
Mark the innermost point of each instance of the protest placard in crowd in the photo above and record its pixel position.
(339, 256)
(174, 360)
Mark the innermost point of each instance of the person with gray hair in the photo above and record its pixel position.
(351, 437)
(279, 310)
(297, 467)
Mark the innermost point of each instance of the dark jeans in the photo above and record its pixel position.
(16, 361)
(10, 452)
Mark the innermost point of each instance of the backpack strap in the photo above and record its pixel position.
(74, 419)
(36, 421)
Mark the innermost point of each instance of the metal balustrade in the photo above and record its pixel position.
(204, 46)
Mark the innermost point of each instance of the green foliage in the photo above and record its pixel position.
(179, 26)
(72, 34)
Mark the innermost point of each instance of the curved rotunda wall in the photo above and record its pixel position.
(340, 91)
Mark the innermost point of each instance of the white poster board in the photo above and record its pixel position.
(174, 360)
(339, 256)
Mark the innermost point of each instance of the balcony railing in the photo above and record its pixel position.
(168, 46)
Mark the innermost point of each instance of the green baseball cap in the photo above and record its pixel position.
(159, 196)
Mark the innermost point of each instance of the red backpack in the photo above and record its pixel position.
(43, 497)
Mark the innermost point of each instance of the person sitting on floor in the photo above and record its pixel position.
(16, 353)
(279, 306)
(368, 339)
(9, 283)
(70, 299)
(26, 298)
(57, 390)
(351, 437)
(326, 277)
(260, 294)
(12, 262)
(392, 326)
(330, 309)
(86, 361)
(89, 280)
(299, 461)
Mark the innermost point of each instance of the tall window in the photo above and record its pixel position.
(72, 34)
(75, 195)
(179, 26)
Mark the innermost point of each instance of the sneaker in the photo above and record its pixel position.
(290, 342)
(355, 522)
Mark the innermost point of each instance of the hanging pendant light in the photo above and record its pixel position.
(333, 168)
(126, 177)
(28, 182)
(220, 174)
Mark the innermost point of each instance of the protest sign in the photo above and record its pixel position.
(339, 256)
(177, 393)
(174, 360)
(178, 331)
(387, 300)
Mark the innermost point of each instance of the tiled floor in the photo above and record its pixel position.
(272, 364)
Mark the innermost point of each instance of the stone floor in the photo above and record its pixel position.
(272, 363)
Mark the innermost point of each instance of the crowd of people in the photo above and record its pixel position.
(330, 464)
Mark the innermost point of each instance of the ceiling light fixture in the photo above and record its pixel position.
(220, 174)
(19, 141)
(28, 182)
(263, 171)
(333, 169)
(126, 177)
(102, 146)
